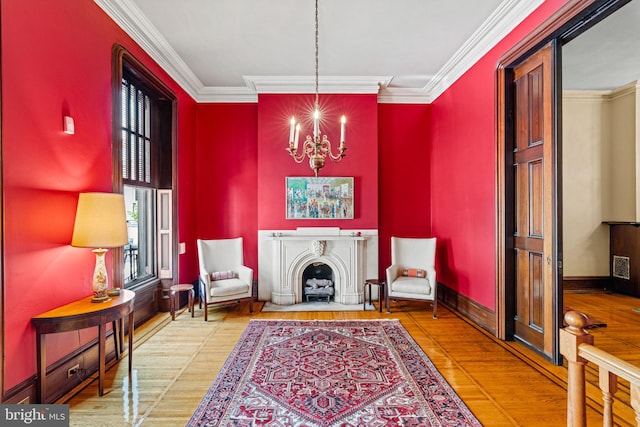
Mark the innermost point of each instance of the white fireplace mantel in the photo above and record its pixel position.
(316, 237)
(283, 256)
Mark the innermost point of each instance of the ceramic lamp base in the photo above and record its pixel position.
(100, 279)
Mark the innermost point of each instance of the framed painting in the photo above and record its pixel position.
(319, 198)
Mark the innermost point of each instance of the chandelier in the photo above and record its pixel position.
(318, 147)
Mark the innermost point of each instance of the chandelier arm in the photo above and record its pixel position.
(310, 147)
(326, 150)
(298, 157)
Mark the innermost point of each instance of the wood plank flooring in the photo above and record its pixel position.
(175, 362)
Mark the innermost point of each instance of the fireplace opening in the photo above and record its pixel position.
(318, 283)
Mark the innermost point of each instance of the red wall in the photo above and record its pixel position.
(227, 181)
(242, 164)
(275, 163)
(463, 166)
(234, 199)
(404, 167)
(56, 60)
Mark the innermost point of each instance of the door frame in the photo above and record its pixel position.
(567, 23)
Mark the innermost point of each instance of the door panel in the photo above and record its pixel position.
(534, 202)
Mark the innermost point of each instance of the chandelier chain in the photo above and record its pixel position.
(317, 55)
(318, 147)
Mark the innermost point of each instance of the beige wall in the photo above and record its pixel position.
(599, 174)
(585, 238)
(621, 192)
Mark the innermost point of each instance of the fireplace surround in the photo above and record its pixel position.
(283, 255)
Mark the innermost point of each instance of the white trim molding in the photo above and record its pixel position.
(505, 18)
(326, 84)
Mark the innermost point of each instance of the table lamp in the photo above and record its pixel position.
(100, 224)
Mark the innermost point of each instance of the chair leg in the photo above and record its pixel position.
(386, 301)
(251, 305)
(435, 302)
(203, 298)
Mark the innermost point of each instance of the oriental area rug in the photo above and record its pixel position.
(330, 373)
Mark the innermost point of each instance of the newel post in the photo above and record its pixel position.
(570, 339)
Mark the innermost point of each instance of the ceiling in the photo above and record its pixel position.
(231, 50)
(606, 56)
(406, 51)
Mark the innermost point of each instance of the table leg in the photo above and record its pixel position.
(172, 305)
(102, 331)
(191, 296)
(130, 342)
(42, 367)
(121, 333)
(364, 297)
(118, 348)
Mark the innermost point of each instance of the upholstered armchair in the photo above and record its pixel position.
(223, 275)
(412, 274)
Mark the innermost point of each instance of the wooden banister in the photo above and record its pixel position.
(576, 345)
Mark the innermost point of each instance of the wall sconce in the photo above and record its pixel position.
(100, 223)
(68, 126)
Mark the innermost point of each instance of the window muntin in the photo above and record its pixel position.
(139, 255)
(136, 134)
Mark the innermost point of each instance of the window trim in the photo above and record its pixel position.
(121, 59)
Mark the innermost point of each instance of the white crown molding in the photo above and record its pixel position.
(239, 94)
(502, 21)
(326, 84)
(403, 95)
(131, 19)
(605, 95)
(585, 95)
(630, 88)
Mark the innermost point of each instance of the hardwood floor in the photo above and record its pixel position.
(621, 336)
(175, 362)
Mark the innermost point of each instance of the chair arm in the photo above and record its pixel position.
(246, 275)
(392, 273)
(205, 285)
(431, 276)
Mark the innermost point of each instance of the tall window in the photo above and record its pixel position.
(144, 169)
(139, 188)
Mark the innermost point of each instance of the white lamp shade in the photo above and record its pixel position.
(101, 221)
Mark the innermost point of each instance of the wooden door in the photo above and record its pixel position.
(534, 203)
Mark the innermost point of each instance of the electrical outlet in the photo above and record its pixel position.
(24, 401)
(73, 370)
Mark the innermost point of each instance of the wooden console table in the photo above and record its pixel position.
(84, 314)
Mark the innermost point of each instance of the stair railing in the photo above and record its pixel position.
(576, 345)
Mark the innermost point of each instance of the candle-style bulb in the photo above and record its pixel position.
(295, 140)
(316, 123)
(291, 128)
